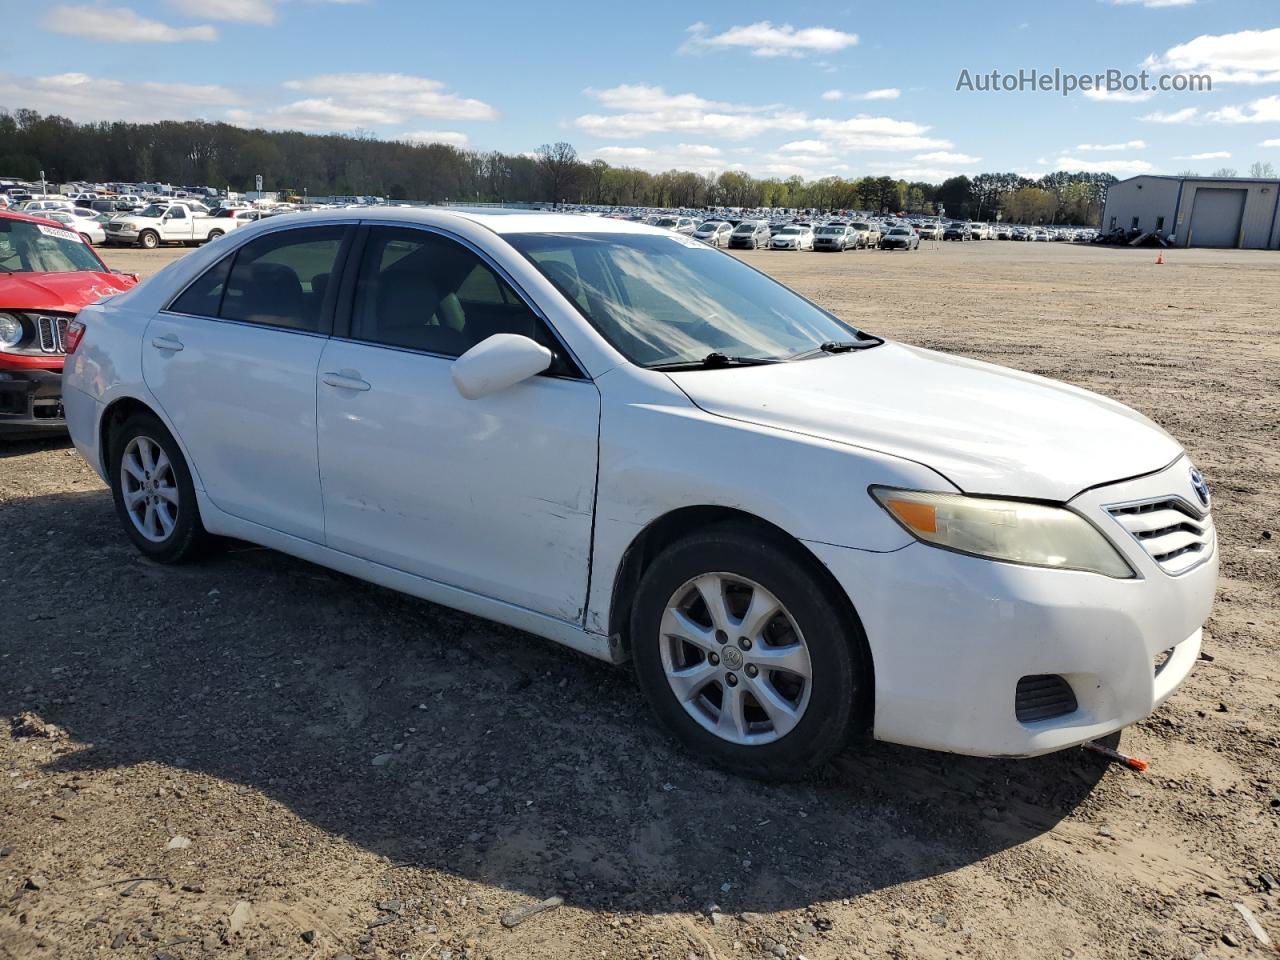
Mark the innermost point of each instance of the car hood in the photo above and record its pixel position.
(58, 292)
(987, 429)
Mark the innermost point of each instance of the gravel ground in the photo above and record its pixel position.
(255, 757)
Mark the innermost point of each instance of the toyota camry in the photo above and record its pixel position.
(623, 440)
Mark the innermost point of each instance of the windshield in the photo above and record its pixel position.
(788, 231)
(745, 228)
(830, 231)
(661, 300)
(898, 232)
(861, 226)
(710, 227)
(154, 211)
(40, 248)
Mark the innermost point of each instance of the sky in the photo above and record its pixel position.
(774, 89)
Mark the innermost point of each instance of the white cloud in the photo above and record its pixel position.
(764, 39)
(884, 93)
(698, 149)
(1119, 96)
(943, 156)
(1186, 115)
(805, 146)
(119, 25)
(1076, 165)
(648, 109)
(395, 94)
(315, 115)
(1212, 155)
(1275, 142)
(865, 132)
(1250, 56)
(85, 98)
(241, 11)
(1264, 110)
(452, 137)
(1154, 4)
(1127, 145)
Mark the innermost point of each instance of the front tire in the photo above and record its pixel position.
(745, 656)
(153, 493)
(149, 240)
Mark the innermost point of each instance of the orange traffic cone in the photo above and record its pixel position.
(1160, 258)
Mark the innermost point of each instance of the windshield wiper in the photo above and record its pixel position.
(865, 341)
(713, 361)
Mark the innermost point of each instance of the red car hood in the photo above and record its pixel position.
(58, 292)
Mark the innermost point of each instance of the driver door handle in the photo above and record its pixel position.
(167, 342)
(344, 381)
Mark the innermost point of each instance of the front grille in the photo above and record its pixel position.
(1176, 537)
(51, 334)
(1043, 697)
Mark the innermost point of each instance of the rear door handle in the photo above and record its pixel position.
(167, 342)
(345, 381)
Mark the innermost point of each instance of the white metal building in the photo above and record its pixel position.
(1198, 211)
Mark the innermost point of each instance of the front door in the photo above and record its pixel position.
(493, 495)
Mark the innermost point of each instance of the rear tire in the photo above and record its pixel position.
(153, 493)
(781, 723)
(215, 234)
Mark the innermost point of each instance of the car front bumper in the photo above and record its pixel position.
(951, 636)
(31, 400)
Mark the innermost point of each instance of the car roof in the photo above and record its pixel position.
(497, 219)
(15, 215)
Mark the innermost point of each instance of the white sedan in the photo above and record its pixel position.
(620, 439)
(793, 237)
(90, 225)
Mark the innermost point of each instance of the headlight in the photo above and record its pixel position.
(1011, 530)
(10, 330)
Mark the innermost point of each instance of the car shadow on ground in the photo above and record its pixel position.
(444, 741)
(19, 444)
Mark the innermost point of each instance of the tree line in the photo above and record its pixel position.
(199, 153)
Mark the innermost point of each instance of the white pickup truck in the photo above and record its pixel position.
(186, 223)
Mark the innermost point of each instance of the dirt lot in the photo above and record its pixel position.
(256, 757)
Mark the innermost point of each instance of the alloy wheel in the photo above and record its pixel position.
(150, 489)
(735, 659)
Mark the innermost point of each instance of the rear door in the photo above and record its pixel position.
(232, 362)
(493, 495)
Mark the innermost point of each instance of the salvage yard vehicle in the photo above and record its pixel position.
(750, 235)
(837, 237)
(868, 234)
(900, 238)
(162, 223)
(47, 273)
(91, 226)
(794, 236)
(714, 232)
(633, 444)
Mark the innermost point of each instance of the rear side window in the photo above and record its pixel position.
(283, 279)
(204, 296)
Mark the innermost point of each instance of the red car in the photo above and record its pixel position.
(47, 273)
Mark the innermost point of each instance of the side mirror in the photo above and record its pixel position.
(498, 362)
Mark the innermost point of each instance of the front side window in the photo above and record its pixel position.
(422, 291)
(176, 213)
(282, 279)
(661, 300)
(27, 247)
